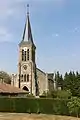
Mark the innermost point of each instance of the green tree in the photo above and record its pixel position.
(72, 83)
(77, 85)
(59, 80)
(69, 80)
(74, 106)
(4, 77)
(62, 94)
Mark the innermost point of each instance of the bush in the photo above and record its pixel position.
(44, 95)
(74, 106)
(30, 95)
(49, 94)
(62, 94)
(32, 105)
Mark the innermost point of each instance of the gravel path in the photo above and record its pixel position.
(23, 116)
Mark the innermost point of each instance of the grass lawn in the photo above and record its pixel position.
(22, 116)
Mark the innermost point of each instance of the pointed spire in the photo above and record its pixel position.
(27, 35)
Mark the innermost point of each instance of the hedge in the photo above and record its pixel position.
(32, 105)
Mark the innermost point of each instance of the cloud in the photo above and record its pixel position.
(12, 9)
(60, 4)
(55, 35)
(8, 10)
(5, 35)
(9, 7)
(75, 30)
(59, 1)
(20, 1)
(5, 9)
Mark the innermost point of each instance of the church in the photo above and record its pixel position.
(29, 77)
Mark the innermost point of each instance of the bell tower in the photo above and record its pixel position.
(26, 63)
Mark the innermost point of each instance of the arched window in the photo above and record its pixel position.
(22, 78)
(22, 55)
(27, 54)
(25, 78)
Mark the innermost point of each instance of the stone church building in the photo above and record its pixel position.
(29, 77)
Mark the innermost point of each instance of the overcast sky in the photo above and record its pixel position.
(56, 32)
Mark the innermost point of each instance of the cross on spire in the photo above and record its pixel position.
(27, 9)
(27, 35)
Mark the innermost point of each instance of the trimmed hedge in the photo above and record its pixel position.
(32, 105)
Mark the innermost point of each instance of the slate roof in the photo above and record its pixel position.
(27, 35)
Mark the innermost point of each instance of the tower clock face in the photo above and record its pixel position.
(25, 67)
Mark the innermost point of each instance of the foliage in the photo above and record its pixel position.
(49, 94)
(72, 83)
(32, 105)
(62, 94)
(59, 80)
(4, 77)
(44, 94)
(74, 106)
(30, 95)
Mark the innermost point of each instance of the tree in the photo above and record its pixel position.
(74, 106)
(4, 77)
(62, 94)
(77, 85)
(59, 80)
(72, 83)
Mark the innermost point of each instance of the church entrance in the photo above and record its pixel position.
(25, 88)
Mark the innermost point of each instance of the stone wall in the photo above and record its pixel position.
(50, 81)
(41, 78)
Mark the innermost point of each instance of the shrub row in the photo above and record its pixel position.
(32, 105)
